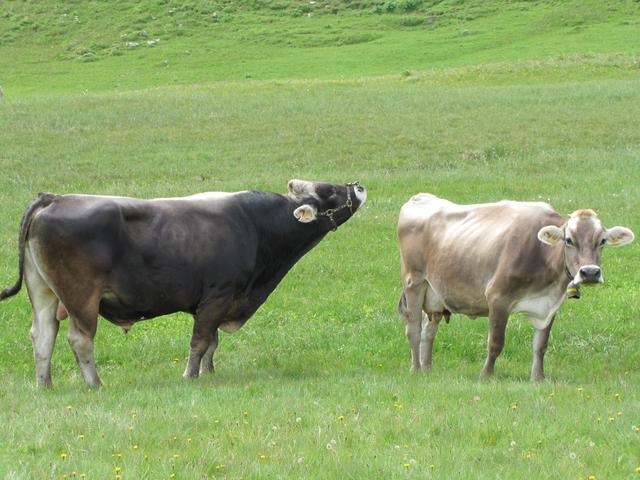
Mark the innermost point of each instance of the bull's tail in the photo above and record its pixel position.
(43, 200)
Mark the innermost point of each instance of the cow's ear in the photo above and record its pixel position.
(550, 234)
(305, 213)
(618, 236)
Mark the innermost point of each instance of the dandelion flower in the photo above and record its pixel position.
(176, 455)
(263, 456)
(69, 407)
(619, 414)
(220, 466)
(172, 475)
(616, 395)
(406, 465)
(83, 475)
(118, 477)
(341, 418)
(63, 456)
(432, 466)
(637, 469)
(188, 440)
(245, 413)
(117, 469)
(135, 447)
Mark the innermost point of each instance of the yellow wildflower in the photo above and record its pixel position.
(263, 456)
(406, 465)
(341, 417)
(63, 456)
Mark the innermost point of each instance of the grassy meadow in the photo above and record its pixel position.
(473, 101)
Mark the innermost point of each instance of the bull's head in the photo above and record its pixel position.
(584, 236)
(332, 205)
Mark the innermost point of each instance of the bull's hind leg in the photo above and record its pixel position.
(82, 330)
(44, 328)
(206, 364)
(411, 311)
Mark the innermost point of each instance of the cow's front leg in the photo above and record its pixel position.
(498, 317)
(206, 364)
(411, 311)
(540, 342)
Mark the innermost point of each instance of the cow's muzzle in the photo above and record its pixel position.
(589, 275)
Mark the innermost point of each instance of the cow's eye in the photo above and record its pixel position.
(603, 241)
(360, 189)
(569, 242)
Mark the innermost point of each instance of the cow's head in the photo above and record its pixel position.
(330, 205)
(583, 237)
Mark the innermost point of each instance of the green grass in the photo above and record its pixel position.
(512, 110)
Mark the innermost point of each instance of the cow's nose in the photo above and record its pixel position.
(590, 273)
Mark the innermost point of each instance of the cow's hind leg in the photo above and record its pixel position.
(498, 316)
(540, 342)
(429, 331)
(206, 364)
(44, 328)
(410, 308)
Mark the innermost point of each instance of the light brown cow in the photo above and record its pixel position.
(492, 260)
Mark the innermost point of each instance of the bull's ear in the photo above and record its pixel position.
(305, 213)
(550, 234)
(618, 236)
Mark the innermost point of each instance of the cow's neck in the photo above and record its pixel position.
(556, 263)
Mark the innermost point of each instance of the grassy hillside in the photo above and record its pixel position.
(98, 45)
(473, 101)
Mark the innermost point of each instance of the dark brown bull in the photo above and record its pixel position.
(217, 256)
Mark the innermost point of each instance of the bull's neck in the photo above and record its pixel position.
(280, 234)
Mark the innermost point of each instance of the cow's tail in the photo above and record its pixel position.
(402, 304)
(43, 200)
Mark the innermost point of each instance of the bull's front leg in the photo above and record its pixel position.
(206, 364)
(204, 339)
(411, 311)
